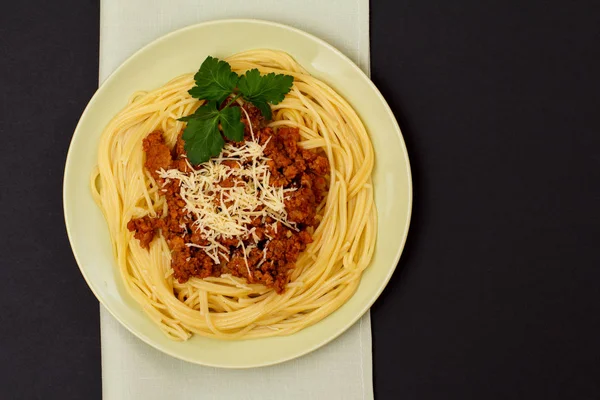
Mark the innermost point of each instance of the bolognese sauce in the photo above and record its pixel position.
(269, 249)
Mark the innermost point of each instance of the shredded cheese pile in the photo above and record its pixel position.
(227, 212)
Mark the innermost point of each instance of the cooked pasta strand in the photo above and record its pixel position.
(227, 307)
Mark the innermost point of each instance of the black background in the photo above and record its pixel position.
(497, 292)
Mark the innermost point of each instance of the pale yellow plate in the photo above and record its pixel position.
(181, 52)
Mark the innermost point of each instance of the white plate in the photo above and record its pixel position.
(181, 52)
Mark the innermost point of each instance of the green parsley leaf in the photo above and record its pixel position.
(270, 88)
(264, 108)
(202, 137)
(204, 112)
(214, 80)
(231, 123)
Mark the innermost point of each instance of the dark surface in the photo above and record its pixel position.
(49, 319)
(496, 295)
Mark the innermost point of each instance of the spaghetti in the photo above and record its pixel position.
(326, 274)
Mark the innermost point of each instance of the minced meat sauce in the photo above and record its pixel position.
(290, 166)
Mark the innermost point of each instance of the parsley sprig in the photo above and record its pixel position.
(217, 83)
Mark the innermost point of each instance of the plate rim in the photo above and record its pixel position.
(372, 298)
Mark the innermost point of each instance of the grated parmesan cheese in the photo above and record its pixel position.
(226, 212)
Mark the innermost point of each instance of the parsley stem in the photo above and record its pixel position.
(232, 100)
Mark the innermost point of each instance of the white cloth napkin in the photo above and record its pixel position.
(133, 370)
